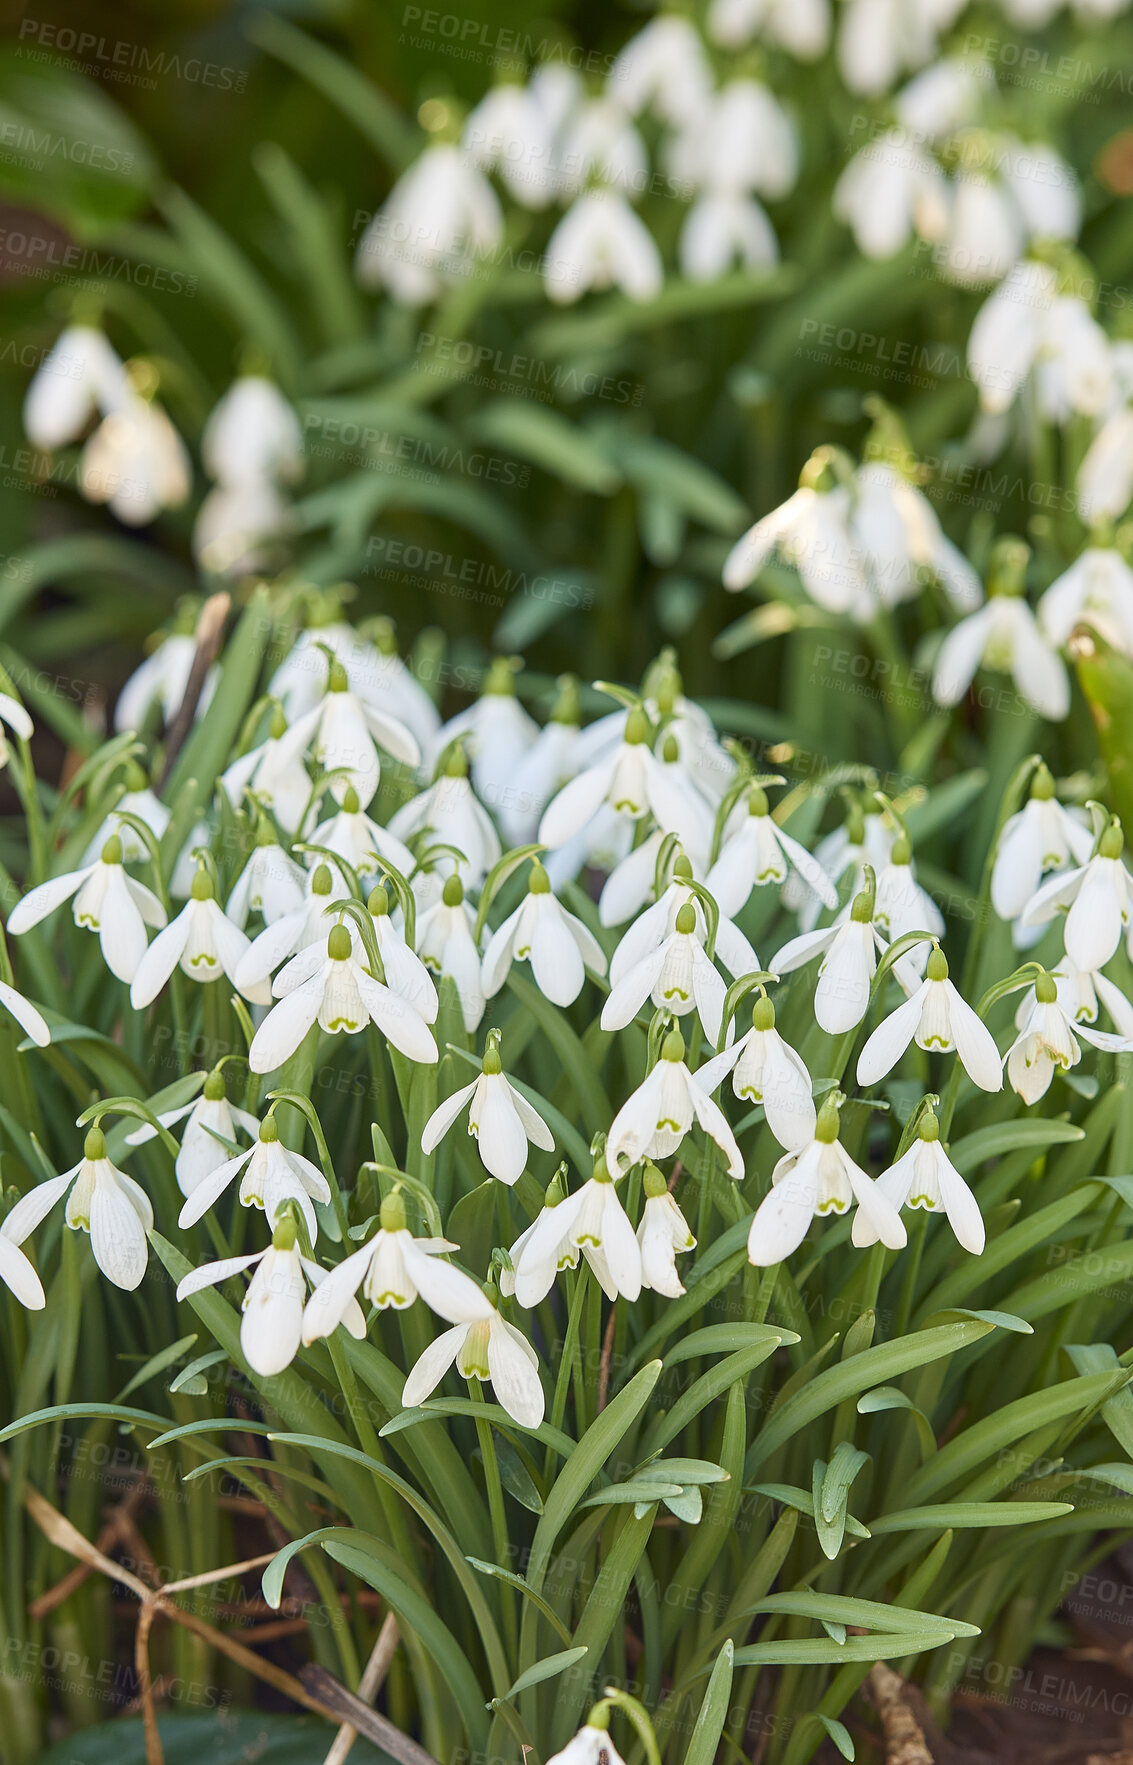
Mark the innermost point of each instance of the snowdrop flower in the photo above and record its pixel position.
(1098, 897)
(1027, 326)
(849, 949)
(681, 724)
(1096, 590)
(755, 851)
(282, 937)
(272, 1175)
(558, 946)
(1040, 837)
(252, 434)
(446, 944)
(81, 376)
(1105, 477)
(393, 1269)
(161, 680)
(439, 217)
(210, 1120)
(600, 144)
(866, 837)
(879, 39)
(375, 671)
(551, 760)
(1077, 993)
(663, 1233)
(591, 1745)
(676, 975)
(201, 941)
(903, 906)
(742, 140)
(802, 27)
(448, 811)
(901, 538)
(106, 901)
(343, 734)
(812, 531)
(723, 228)
(277, 780)
(235, 525)
(935, 1017)
(631, 781)
(493, 731)
(509, 132)
(890, 191)
(1005, 195)
(591, 1221)
(405, 973)
(925, 1177)
(1004, 637)
(629, 886)
(500, 1120)
(767, 1070)
(658, 924)
(664, 68)
(653, 1121)
(272, 1325)
(601, 243)
(818, 1180)
(327, 984)
(366, 846)
(271, 883)
(1047, 1042)
(13, 715)
(486, 1348)
(103, 1201)
(945, 97)
(136, 463)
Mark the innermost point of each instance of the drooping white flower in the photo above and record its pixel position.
(511, 133)
(365, 845)
(1005, 195)
(446, 944)
(1098, 898)
(925, 1177)
(740, 140)
(450, 815)
(440, 216)
(103, 1201)
(935, 1017)
(802, 27)
(1041, 837)
(136, 463)
(80, 377)
(488, 1348)
(902, 905)
(1003, 636)
(591, 1746)
(601, 243)
(161, 680)
(550, 761)
(942, 98)
(374, 669)
(138, 800)
(878, 40)
(293, 931)
(556, 943)
(767, 1070)
(272, 1175)
(756, 851)
(30, 1020)
(270, 884)
(272, 1325)
(653, 1121)
(1096, 590)
(328, 985)
(1026, 327)
(202, 941)
(236, 525)
(600, 145)
(663, 68)
(343, 734)
(591, 1221)
(677, 975)
(252, 434)
(392, 1269)
(658, 923)
(662, 1234)
(890, 191)
(630, 885)
(723, 228)
(1105, 477)
(500, 1120)
(631, 781)
(277, 780)
(210, 1120)
(849, 949)
(1047, 1043)
(105, 900)
(818, 1180)
(15, 718)
(493, 731)
(405, 973)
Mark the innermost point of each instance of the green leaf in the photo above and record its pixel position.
(347, 88)
(1009, 1136)
(704, 1741)
(548, 1668)
(941, 1516)
(549, 440)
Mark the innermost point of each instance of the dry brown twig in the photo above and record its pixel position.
(905, 1743)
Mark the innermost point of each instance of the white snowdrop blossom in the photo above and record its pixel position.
(202, 941)
(849, 949)
(272, 1175)
(722, 228)
(393, 1269)
(161, 680)
(1039, 838)
(631, 781)
(365, 845)
(13, 717)
(500, 1120)
(136, 463)
(271, 883)
(1027, 327)
(343, 733)
(550, 761)
(890, 191)
(439, 217)
(740, 140)
(592, 1221)
(104, 899)
(601, 243)
(236, 524)
(1047, 1043)
(802, 27)
(374, 670)
(903, 906)
(662, 1235)
(653, 1121)
(101, 1200)
(80, 377)
(677, 975)
(756, 851)
(449, 814)
(1105, 477)
(1003, 636)
(663, 68)
(878, 40)
(767, 1070)
(1098, 899)
(17, 1271)
(1097, 590)
(282, 937)
(866, 837)
(253, 434)
(511, 133)
(485, 1348)
(925, 1177)
(600, 145)
(446, 944)
(326, 983)
(405, 973)
(591, 1745)
(936, 1018)
(657, 924)
(492, 731)
(210, 1120)
(556, 943)
(819, 1179)
(277, 779)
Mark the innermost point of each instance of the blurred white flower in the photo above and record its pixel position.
(722, 228)
(663, 68)
(440, 216)
(511, 133)
(740, 140)
(253, 434)
(802, 27)
(879, 40)
(493, 731)
(1096, 590)
(1026, 327)
(891, 190)
(1003, 636)
(1105, 477)
(161, 680)
(136, 463)
(601, 243)
(80, 377)
(448, 813)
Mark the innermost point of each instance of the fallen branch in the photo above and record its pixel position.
(905, 1743)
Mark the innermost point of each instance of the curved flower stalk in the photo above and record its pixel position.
(105, 900)
(820, 1179)
(500, 1120)
(935, 1017)
(210, 1127)
(392, 1270)
(654, 1120)
(272, 1176)
(486, 1348)
(556, 943)
(101, 1200)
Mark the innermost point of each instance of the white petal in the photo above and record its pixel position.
(514, 1380)
(117, 1235)
(975, 1044)
(443, 1117)
(890, 1039)
(432, 1366)
(17, 1273)
(285, 1026)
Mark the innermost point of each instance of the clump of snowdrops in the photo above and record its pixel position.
(583, 1183)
